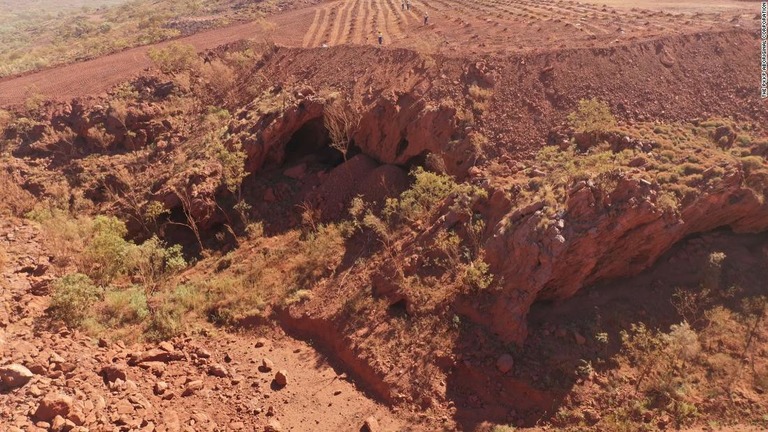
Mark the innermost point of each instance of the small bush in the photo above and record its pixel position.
(174, 58)
(105, 256)
(320, 253)
(151, 261)
(16, 201)
(167, 318)
(164, 323)
(477, 275)
(428, 190)
(592, 115)
(72, 298)
(124, 307)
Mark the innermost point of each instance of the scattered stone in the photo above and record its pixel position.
(371, 425)
(15, 376)
(505, 363)
(281, 378)
(166, 346)
(123, 407)
(203, 353)
(273, 426)
(77, 417)
(103, 343)
(52, 405)
(260, 342)
(154, 355)
(266, 365)
(238, 425)
(58, 424)
(192, 387)
(218, 370)
(113, 372)
(160, 387)
(37, 369)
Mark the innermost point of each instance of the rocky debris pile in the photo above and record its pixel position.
(62, 380)
(82, 386)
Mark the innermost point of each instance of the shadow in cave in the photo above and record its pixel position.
(311, 143)
(562, 334)
(290, 176)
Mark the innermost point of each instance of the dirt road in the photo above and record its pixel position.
(97, 75)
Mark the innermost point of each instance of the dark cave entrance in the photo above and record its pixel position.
(312, 142)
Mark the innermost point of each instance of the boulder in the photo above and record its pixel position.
(112, 372)
(52, 405)
(15, 375)
(273, 426)
(192, 387)
(218, 370)
(371, 425)
(266, 365)
(281, 378)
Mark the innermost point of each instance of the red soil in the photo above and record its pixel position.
(457, 28)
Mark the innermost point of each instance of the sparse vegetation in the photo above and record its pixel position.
(175, 58)
(72, 298)
(341, 121)
(33, 38)
(592, 115)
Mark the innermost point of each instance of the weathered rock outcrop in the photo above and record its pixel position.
(601, 236)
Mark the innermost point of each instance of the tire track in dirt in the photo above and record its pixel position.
(323, 27)
(361, 12)
(326, 32)
(350, 17)
(309, 37)
(393, 22)
(337, 29)
(402, 18)
(380, 21)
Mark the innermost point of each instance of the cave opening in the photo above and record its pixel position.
(312, 143)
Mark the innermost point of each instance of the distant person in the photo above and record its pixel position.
(381, 38)
(403, 5)
(426, 18)
(408, 4)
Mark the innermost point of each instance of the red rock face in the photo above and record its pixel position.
(601, 237)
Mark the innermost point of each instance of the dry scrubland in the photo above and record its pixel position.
(38, 35)
(469, 245)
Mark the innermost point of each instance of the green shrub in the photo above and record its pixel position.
(320, 253)
(477, 275)
(164, 323)
(428, 190)
(72, 298)
(167, 318)
(151, 261)
(124, 307)
(592, 115)
(105, 256)
(174, 58)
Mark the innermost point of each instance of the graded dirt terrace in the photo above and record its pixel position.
(455, 28)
